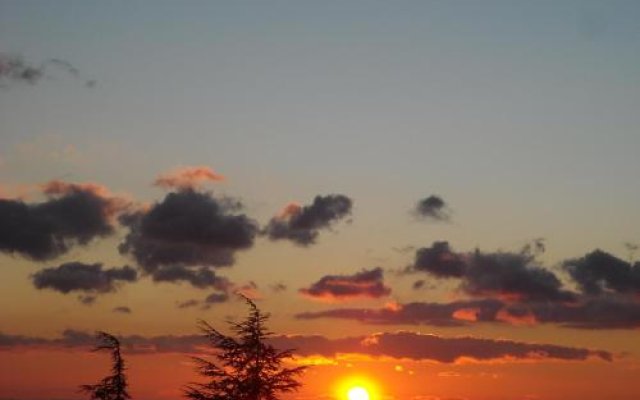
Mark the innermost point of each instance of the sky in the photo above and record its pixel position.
(438, 198)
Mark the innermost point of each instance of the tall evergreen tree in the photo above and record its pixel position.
(247, 367)
(114, 386)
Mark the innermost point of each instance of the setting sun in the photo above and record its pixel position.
(357, 388)
(358, 393)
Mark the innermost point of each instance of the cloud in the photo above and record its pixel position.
(122, 310)
(72, 214)
(419, 284)
(207, 302)
(439, 260)
(249, 289)
(433, 208)
(595, 313)
(426, 347)
(188, 178)
(458, 313)
(215, 298)
(301, 224)
(514, 276)
(187, 231)
(201, 277)
(87, 299)
(397, 345)
(278, 287)
(13, 68)
(188, 303)
(77, 276)
(366, 283)
(598, 313)
(599, 272)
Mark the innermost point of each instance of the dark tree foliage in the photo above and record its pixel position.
(247, 367)
(114, 386)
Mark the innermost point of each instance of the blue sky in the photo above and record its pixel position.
(497, 105)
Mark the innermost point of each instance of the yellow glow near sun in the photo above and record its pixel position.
(358, 393)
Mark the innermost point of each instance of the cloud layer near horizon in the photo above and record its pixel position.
(397, 345)
(590, 314)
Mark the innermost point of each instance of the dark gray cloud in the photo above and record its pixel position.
(122, 310)
(433, 208)
(188, 303)
(201, 277)
(599, 272)
(87, 299)
(398, 345)
(439, 260)
(13, 68)
(302, 224)
(594, 313)
(81, 277)
(452, 314)
(72, 214)
(215, 298)
(207, 302)
(186, 234)
(278, 287)
(366, 283)
(515, 276)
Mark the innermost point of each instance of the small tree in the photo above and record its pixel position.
(247, 367)
(114, 386)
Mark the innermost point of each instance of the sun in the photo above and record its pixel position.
(358, 393)
(357, 388)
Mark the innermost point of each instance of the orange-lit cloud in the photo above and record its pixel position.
(188, 178)
(114, 204)
(392, 346)
(366, 283)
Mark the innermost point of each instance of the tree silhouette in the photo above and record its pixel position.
(247, 367)
(114, 386)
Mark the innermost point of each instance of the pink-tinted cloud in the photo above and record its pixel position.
(188, 178)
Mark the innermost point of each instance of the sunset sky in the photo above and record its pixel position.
(437, 200)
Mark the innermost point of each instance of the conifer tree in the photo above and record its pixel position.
(114, 386)
(247, 367)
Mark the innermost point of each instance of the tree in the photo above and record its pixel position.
(114, 386)
(247, 368)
